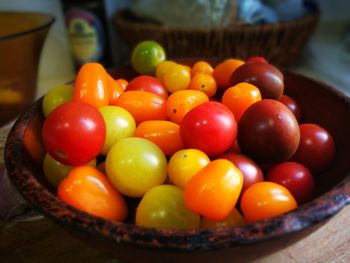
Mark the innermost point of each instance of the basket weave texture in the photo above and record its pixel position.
(280, 43)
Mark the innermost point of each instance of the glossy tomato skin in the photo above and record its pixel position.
(209, 127)
(91, 85)
(74, 133)
(292, 105)
(296, 178)
(316, 149)
(251, 171)
(89, 190)
(214, 190)
(265, 200)
(148, 83)
(266, 77)
(268, 132)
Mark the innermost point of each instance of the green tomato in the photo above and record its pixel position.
(146, 56)
(55, 171)
(163, 207)
(135, 165)
(55, 97)
(119, 124)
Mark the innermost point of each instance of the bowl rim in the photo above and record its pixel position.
(43, 200)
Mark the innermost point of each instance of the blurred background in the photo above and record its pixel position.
(97, 30)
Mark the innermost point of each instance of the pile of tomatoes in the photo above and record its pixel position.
(196, 146)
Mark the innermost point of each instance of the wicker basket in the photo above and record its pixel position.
(279, 43)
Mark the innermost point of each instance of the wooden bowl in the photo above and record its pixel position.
(320, 104)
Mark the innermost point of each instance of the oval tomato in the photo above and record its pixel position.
(87, 189)
(148, 83)
(74, 133)
(91, 85)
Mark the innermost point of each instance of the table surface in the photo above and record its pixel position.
(42, 241)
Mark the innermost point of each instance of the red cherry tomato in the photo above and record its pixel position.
(296, 178)
(74, 133)
(251, 171)
(209, 127)
(91, 85)
(265, 200)
(148, 83)
(316, 148)
(89, 190)
(292, 105)
(256, 59)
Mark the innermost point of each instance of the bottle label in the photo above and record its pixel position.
(86, 35)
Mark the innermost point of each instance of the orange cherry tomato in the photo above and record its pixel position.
(114, 90)
(91, 85)
(143, 105)
(223, 71)
(89, 190)
(182, 101)
(233, 219)
(239, 97)
(202, 67)
(123, 83)
(214, 190)
(205, 83)
(266, 199)
(165, 134)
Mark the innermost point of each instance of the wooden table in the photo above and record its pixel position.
(42, 241)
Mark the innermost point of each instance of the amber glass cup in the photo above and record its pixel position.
(22, 35)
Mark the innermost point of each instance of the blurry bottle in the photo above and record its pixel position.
(87, 31)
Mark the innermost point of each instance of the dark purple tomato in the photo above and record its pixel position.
(296, 178)
(266, 77)
(250, 170)
(209, 127)
(316, 148)
(292, 105)
(268, 132)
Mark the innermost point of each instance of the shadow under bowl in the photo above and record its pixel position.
(320, 104)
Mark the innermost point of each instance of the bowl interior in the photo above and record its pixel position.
(320, 104)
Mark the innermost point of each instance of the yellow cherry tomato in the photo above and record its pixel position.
(233, 219)
(177, 77)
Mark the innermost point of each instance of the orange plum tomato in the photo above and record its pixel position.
(182, 101)
(114, 90)
(201, 67)
(56, 96)
(163, 206)
(55, 171)
(135, 165)
(316, 149)
(177, 77)
(91, 85)
(240, 97)
(296, 178)
(213, 192)
(123, 83)
(146, 56)
(165, 134)
(205, 83)
(143, 105)
(184, 164)
(88, 190)
(250, 170)
(148, 83)
(119, 124)
(265, 200)
(233, 219)
(74, 133)
(209, 127)
(223, 71)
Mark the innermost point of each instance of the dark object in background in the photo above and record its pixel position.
(87, 31)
